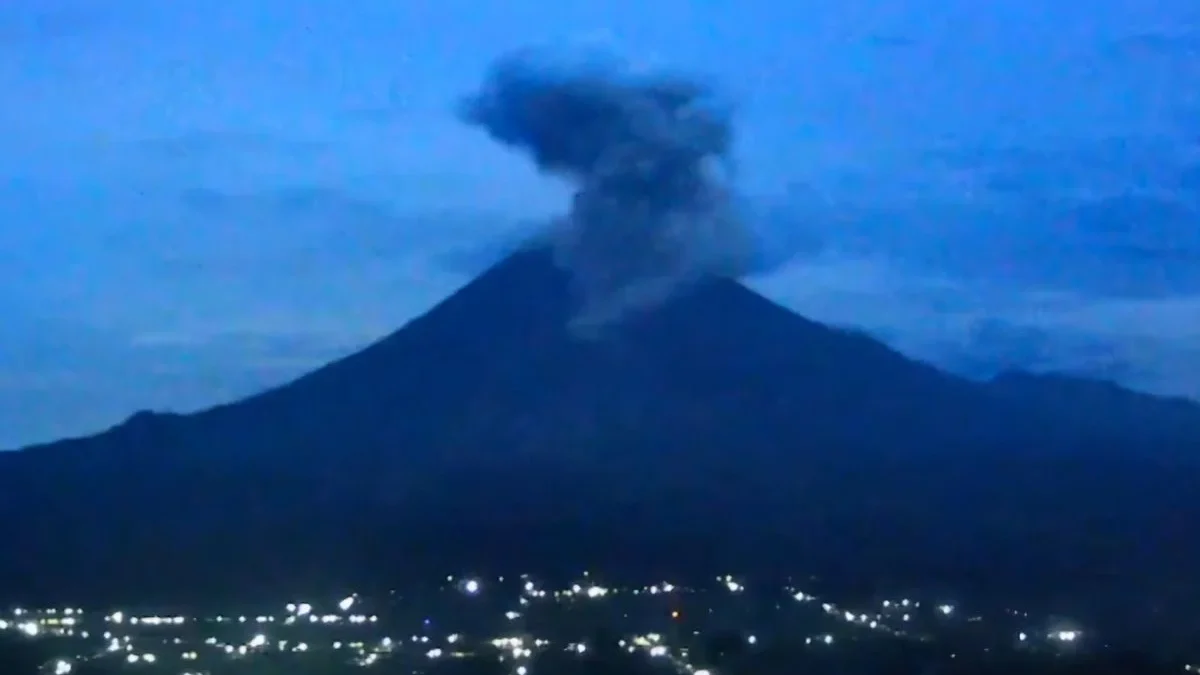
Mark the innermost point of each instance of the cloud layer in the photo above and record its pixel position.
(982, 186)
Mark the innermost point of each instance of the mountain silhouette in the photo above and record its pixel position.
(717, 431)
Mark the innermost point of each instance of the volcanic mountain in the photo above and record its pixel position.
(716, 430)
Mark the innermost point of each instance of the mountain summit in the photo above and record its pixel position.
(718, 429)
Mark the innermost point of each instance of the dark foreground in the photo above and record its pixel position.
(522, 626)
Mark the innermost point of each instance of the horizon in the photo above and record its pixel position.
(979, 186)
(516, 260)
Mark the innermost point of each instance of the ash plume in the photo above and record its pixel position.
(648, 158)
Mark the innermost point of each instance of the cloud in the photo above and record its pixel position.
(781, 233)
(1113, 217)
(210, 292)
(1162, 229)
(61, 376)
(992, 345)
(174, 296)
(225, 207)
(328, 233)
(65, 377)
(177, 299)
(979, 329)
(179, 267)
(1083, 261)
(1159, 338)
(1071, 168)
(97, 380)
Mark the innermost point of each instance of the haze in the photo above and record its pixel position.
(199, 199)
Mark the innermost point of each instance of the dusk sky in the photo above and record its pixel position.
(201, 198)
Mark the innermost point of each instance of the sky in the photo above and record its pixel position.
(202, 198)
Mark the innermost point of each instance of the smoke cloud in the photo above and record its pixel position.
(648, 158)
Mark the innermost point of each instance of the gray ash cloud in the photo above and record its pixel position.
(649, 158)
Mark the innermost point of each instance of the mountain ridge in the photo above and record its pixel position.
(720, 426)
(534, 279)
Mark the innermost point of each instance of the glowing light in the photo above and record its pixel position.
(129, 642)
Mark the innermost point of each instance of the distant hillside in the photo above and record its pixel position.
(718, 430)
(1110, 410)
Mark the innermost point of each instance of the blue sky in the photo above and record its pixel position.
(199, 198)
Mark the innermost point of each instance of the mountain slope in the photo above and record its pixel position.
(1125, 417)
(719, 426)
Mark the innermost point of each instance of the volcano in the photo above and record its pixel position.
(718, 430)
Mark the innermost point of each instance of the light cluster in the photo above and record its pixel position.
(514, 620)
